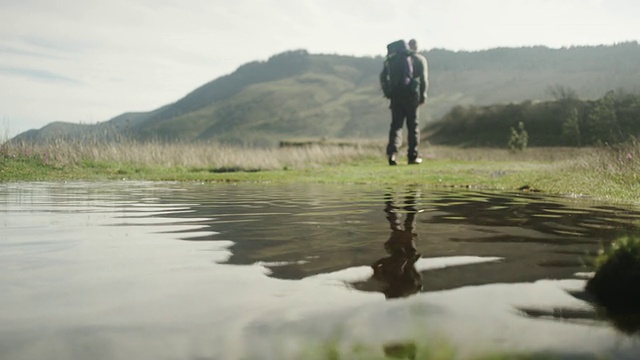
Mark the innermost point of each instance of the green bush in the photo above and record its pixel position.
(519, 138)
(615, 283)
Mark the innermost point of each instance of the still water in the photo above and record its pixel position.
(137, 270)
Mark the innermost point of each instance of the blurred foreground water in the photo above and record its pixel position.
(138, 270)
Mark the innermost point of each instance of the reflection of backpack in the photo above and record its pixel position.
(398, 76)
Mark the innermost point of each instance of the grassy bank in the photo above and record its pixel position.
(603, 173)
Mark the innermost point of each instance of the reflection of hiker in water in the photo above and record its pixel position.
(397, 271)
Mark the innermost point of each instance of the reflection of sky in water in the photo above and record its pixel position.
(95, 270)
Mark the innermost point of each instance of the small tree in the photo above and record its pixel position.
(518, 139)
(571, 129)
(602, 122)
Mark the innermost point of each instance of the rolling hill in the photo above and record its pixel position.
(297, 94)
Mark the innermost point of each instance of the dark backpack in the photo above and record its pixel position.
(397, 78)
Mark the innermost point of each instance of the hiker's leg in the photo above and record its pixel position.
(395, 130)
(392, 212)
(413, 130)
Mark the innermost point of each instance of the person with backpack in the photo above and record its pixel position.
(404, 82)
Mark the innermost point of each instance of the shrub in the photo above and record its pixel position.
(615, 283)
(519, 138)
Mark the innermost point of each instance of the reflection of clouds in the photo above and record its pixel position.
(588, 312)
(362, 273)
(473, 319)
(610, 294)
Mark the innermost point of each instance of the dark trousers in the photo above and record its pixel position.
(401, 112)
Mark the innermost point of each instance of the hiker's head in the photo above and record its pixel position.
(413, 45)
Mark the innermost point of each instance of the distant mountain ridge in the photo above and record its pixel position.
(297, 94)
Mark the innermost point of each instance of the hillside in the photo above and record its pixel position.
(297, 94)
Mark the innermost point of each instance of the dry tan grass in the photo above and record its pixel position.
(621, 160)
(192, 155)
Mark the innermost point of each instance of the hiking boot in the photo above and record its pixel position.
(393, 159)
(415, 161)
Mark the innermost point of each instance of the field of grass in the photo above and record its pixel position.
(607, 173)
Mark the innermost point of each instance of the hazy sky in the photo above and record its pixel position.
(90, 60)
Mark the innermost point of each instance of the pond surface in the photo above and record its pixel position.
(137, 270)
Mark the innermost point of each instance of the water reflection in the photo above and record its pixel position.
(397, 272)
(298, 233)
(588, 312)
(143, 270)
(610, 295)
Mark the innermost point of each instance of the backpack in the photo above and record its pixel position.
(397, 78)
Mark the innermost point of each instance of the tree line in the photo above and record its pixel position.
(564, 121)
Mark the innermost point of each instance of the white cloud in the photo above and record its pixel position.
(87, 61)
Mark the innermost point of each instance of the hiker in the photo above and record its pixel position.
(404, 81)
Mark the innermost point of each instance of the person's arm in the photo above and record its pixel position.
(384, 81)
(424, 80)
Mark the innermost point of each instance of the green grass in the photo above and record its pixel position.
(433, 349)
(601, 173)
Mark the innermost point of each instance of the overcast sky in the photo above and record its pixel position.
(86, 61)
